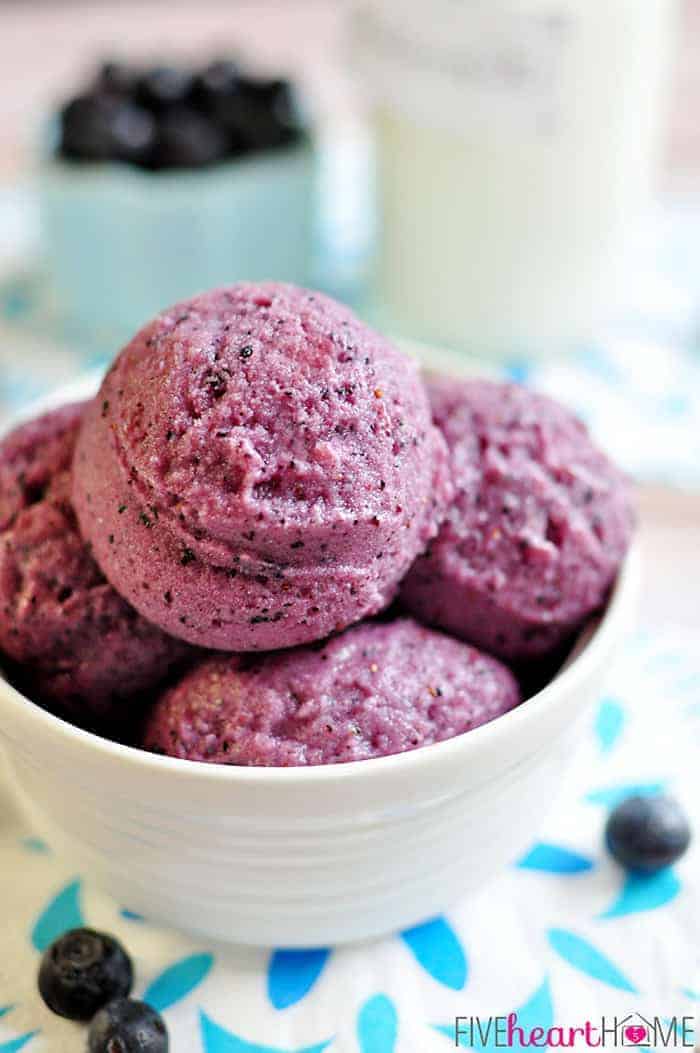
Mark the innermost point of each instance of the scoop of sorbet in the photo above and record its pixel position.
(537, 530)
(77, 643)
(376, 689)
(260, 469)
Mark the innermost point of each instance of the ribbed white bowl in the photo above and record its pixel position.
(306, 856)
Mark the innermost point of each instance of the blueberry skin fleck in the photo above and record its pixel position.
(646, 834)
(83, 970)
(128, 1026)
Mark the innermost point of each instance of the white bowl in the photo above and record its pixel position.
(307, 856)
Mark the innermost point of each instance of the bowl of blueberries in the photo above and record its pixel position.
(158, 182)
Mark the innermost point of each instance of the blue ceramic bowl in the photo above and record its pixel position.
(122, 243)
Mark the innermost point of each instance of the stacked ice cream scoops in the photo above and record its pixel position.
(196, 554)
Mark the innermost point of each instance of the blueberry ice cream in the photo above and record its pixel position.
(75, 642)
(377, 689)
(259, 469)
(537, 530)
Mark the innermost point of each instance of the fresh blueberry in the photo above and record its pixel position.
(128, 1026)
(114, 78)
(285, 107)
(188, 139)
(133, 134)
(86, 127)
(647, 833)
(82, 971)
(260, 114)
(229, 113)
(165, 86)
(106, 128)
(218, 79)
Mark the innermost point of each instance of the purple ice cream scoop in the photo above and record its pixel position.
(537, 530)
(31, 457)
(259, 469)
(77, 644)
(377, 689)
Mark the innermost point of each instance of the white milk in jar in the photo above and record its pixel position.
(517, 144)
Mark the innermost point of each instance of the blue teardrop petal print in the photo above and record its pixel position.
(131, 915)
(457, 1040)
(292, 974)
(644, 892)
(437, 949)
(36, 846)
(377, 1025)
(15, 1044)
(588, 959)
(609, 723)
(5, 1009)
(177, 981)
(689, 992)
(555, 859)
(216, 1039)
(613, 795)
(62, 913)
(518, 370)
(538, 1011)
(599, 363)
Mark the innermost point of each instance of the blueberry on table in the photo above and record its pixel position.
(165, 86)
(646, 834)
(128, 1026)
(82, 971)
(188, 139)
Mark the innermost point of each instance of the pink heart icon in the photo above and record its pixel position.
(635, 1033)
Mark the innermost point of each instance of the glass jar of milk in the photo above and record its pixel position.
(517, 143)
